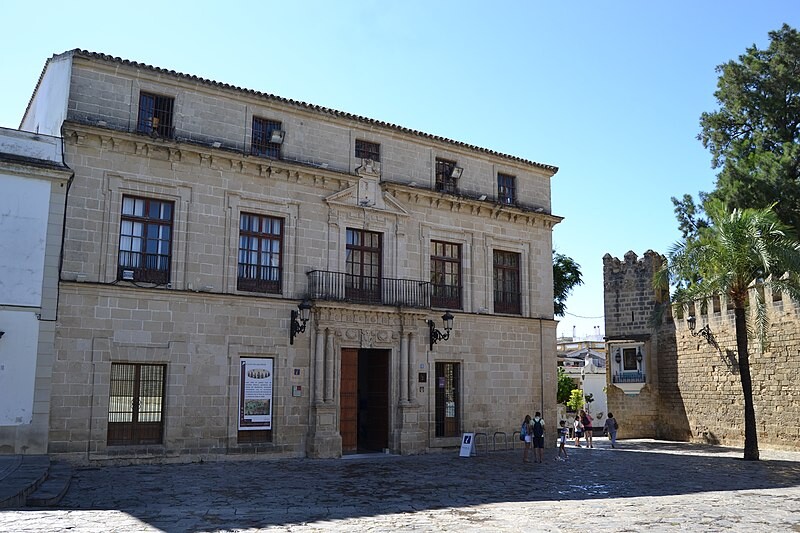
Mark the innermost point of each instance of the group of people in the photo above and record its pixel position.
(532, 432)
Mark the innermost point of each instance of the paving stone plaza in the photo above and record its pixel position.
(642, 485)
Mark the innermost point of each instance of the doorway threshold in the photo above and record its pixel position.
(366, 455)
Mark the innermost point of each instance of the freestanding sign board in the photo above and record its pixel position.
(467, 445)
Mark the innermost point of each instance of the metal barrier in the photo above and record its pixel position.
(515, 439)
(494, 440)
(485, 442)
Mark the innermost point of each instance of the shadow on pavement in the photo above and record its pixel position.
(283, 492)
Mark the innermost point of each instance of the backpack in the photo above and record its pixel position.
(523, 431)
(538, 428)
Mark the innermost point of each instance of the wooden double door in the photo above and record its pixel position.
(364, 400)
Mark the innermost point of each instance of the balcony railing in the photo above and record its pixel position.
(629, 377)
(343, 287)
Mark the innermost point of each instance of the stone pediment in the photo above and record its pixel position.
(367, 194)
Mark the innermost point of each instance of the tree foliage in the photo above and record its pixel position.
(566, 276)
(738, 249)
(575, 402)
(565, 386)
(754, 136)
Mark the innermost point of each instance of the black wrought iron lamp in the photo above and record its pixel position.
(704, 332)
(299, 320)
(435, 334)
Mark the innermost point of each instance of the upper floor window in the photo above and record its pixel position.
(145, 240)
(506, 189)
(506, 282)
(363, 265)
(155, 115)
(260, 253)
(446, 275)
(446, 175)
(368, 150)
(267, 138)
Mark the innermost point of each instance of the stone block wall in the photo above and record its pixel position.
(696, 394)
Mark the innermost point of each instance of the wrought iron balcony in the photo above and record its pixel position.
(343, 287)
(629, 377)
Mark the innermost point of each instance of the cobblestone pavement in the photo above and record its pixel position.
(641, 485)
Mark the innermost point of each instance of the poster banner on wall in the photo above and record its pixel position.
(255, 393)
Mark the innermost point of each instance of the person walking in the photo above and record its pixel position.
(525, 434)
(578, 427)
(537, 428)
(586, 420)
(611, 426)
(562, 441)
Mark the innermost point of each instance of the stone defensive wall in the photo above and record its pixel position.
(692, 391)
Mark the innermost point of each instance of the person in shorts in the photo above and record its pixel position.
(525, 431)
(578, 431)
(537, 428)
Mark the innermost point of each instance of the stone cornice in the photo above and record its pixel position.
(472, 206)
(203, 155)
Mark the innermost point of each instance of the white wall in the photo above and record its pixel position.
(24, 207)
(17, 366)
(49, 106)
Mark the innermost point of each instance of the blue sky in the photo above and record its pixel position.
(610, 92)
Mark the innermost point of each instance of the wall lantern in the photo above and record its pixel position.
(277, 136)
(618, 357)
(299, 320)
(435, 334)
(639, 354)
(704, 332)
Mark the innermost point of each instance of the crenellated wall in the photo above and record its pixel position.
(693, 391)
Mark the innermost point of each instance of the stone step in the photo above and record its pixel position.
(19, 482)
(54, 487)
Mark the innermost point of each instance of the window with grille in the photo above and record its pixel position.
(446, 275)
(368, 150)
(506, 282)
(448, 402)
(260, 253)
(262, 141)
(145, 240)
(506, 189)
(363, 266)
(155, 115)
(445, 182)
(136, 404)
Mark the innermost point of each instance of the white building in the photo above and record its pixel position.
(33, 181)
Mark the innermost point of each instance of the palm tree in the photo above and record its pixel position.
(739, 249)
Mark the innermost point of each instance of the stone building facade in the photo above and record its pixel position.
(685, 387)
(201, 215)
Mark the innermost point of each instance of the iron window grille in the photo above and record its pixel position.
(445, 182)
(145, 240)
(445, 275)
(136, 404)
(368, 150)
(260, 253)
(261, 142)
(506, 282)
(155, 115)
(506, 189)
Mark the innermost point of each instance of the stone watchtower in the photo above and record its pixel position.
(635, 337)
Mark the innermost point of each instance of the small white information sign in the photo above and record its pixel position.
(467, 445)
